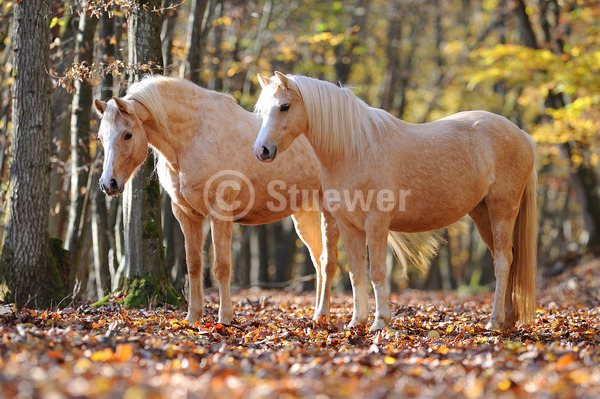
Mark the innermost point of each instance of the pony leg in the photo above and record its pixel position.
(192, 231)
(221, 235)
(481, 218)
(329, 258)
(355, 243)
(377, 245)
(502, 229)
(308, 228)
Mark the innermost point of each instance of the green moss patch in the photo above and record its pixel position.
(141, 292)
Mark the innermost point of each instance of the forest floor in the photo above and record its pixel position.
(436, 346)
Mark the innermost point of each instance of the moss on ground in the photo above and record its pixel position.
(141, 292)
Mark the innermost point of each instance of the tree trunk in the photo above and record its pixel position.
(107, 52)
(28, 273)
(218, 31)
(167, 34)
(61, 116)
(146, 279)
(525, 28)
(101, 233)
(243, 260)
(263, 253)
(193, 62)
(174, 245)
(80, 140)
(392, 71)
(197, 36)
(258, 44)
(344, 52)
(285, 249)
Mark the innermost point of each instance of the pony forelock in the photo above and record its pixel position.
(338, 121)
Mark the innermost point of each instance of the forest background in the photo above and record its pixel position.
(535, 62)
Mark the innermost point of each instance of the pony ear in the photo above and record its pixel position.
(121, 105)
(100, 106)
(283, 79)
(263, 80)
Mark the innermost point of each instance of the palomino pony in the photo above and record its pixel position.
(475, 163)
(202, 140)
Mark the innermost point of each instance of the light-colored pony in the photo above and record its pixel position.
(203, 140)
(475, 163)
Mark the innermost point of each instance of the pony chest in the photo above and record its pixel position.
(176, 185)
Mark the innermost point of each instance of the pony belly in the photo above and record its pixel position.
(430, 215)
(419, 224)
(262, 216)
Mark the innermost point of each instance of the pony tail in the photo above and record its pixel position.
(520, 293)
(415, 249)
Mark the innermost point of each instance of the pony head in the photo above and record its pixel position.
(124, 140)
(284, 116)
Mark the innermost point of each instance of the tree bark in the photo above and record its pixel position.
(28, 275)
(285, 249)
(145, 273)
(80, 140)
(345, 51)
(101, 232)
(167, 34)
(392, 71)
(216, 82)
(193, 61)
(197, 37)
(262, 237)
(60, 102)
(525, 29)
(243, 262)
(258, 44)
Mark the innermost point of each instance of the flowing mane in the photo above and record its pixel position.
(338, 121)
(146, 93)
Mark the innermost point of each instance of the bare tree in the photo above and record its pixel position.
(145, 272)
(27, 273)
(80, 140)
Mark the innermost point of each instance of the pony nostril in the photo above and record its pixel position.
(265, 153)
(114, 186)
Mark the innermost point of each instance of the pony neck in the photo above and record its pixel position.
(158, 138)
(215, 117)
(341, 127)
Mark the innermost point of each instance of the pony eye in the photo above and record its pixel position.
(128, 135)
(284, 107)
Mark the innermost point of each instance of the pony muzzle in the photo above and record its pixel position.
(111, 188)
(265, 154)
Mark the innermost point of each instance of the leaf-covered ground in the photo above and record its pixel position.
(436, 346)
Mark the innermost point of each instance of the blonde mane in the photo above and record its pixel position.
(338, 121)
(146, 93)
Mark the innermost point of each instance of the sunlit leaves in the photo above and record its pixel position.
(541, 73)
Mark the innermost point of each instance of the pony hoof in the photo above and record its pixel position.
(225, 317)
(193, 318)
(378, 324)
(492, 325)
(320, 315)
(354, 323)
